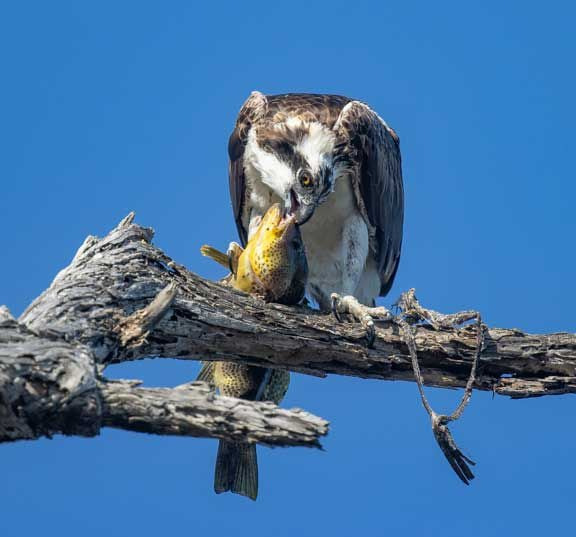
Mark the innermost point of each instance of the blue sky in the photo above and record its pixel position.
(110, 107)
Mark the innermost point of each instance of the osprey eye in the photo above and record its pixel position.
(305, 179)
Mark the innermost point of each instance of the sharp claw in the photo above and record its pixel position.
(334, 299)
(370, 334)
(349, 304)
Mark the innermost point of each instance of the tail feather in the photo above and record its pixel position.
(236, 469)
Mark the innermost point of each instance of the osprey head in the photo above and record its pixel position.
(294, 159)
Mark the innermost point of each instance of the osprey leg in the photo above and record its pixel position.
(363, 314)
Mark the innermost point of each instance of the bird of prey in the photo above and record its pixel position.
(335, 165)
(273, 266)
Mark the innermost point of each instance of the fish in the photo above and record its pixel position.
(273, 266)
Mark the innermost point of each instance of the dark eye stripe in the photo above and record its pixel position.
(285, 151)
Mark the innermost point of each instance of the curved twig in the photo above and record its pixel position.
(412, 309)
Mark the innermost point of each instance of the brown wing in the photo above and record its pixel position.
(323, 108)
(252, 111)
(371, 151)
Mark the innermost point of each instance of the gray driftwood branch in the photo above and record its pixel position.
(111, 278)
(122, 299)
(50, 385)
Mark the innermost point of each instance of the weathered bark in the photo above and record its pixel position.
(193, 410)
(115, 276)
(49, 385)
(123, 299)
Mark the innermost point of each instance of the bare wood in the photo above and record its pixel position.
(49, 386)
(111, 278)
(193, 410)
(134, 329)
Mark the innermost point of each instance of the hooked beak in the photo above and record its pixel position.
(301, 210)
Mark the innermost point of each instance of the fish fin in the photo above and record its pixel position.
(216, 255)
(236, 469)
(207, 373)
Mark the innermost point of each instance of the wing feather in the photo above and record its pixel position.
(252, 110)
(371, 152)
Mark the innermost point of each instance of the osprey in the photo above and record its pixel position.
(335, 164)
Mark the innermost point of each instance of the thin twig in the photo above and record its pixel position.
(412, 309)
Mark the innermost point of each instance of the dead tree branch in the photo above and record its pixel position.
(193, 410)
(111, 278)
(49, 385)
(122, 299)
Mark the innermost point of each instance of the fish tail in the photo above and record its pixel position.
(236, 469)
